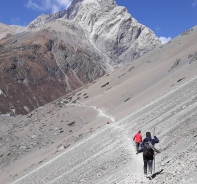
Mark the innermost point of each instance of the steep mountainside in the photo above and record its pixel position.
(66, 50)
(38, 67)
(86, 136)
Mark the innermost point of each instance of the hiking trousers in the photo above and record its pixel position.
(148, 163)
(137, 144)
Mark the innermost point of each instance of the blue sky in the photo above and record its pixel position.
(166, 18)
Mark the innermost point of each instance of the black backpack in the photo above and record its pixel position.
(147, 150)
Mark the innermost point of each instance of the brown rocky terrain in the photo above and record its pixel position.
(35, 69)
(69, 140)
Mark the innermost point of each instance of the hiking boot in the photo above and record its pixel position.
(149, 175)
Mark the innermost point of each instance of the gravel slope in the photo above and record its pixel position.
(108, 156)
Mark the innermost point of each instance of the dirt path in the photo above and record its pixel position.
(100, 112)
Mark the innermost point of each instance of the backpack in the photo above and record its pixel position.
(147, 150)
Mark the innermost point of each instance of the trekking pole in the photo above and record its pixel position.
(154, 165)
(154, 154)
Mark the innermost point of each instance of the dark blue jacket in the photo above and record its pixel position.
(153, 141)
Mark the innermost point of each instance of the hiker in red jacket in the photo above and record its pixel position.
(138, 139)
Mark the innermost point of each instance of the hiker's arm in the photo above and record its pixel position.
(134, 138)
(142, 144)
(156, 140)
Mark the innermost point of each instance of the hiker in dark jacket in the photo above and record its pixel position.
(148, 158)
(138, 139)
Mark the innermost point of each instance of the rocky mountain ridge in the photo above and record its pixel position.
(61, 52)
(110, 28)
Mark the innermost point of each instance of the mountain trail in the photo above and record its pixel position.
(101, 113)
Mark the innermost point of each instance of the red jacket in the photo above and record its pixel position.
(137, 138)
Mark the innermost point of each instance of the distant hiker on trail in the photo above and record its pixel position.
(138, 139)
(148, 152)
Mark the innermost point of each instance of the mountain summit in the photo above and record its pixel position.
(109, 27)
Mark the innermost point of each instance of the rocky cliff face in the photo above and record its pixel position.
(61, 52)
(110, 29)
